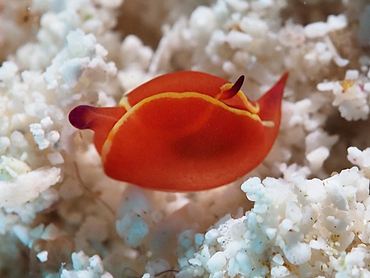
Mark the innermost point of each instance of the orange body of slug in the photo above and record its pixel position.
(184, 131)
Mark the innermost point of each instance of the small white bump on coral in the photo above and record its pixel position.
(358, 157)
(349, 96)
(25, 187)
(83, 266)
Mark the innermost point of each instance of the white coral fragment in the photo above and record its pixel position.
(83, 266)
(253, 26)
(292, 35)
(202, 21)
(39, 136)
(317, 157)
(316, 29)
(358, 157)
(12, 168)
(42, 256)
(81, 51)
(27, 186)
(7, 71)
(352, 102)
(350, 98)
(298, 253)
(216, 262)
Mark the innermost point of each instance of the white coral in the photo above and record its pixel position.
(83, 266)
(27, 186)
(288, 220)
(349, 96)
(82, 52)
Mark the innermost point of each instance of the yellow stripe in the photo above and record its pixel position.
(248, 104)
(124, 103)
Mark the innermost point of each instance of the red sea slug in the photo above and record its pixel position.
(184, 131)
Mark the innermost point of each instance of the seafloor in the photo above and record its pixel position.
(303, 212)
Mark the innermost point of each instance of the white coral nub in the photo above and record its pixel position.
(22, 185)
(352, 99)
(83, 266)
